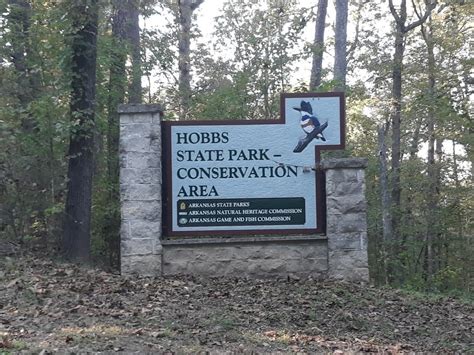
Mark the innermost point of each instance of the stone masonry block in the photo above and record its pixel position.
(344, 189)
(145, 229)
(144, 210)
(141, 130)
(313, 266)
(277, 251)
(303, 251)
(125, 231)
(140, 176)
(347, 223)
(134, 144)
(156, 119)
(209, 269)
(345, 163)
(140, 192)
(155, 139)
(137, 247)
(141, 265)
(272, 266)
(185, 254)
(346, 204)
(135, 118)
(122, 161)
(134, 109)
(334, 177)
(242, 252)
(348, 269)
(140, 137)
(348, 241)
(254, 260)
(142, 160)
(176, 268)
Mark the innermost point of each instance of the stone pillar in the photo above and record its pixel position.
(346, 227)
(140, 189)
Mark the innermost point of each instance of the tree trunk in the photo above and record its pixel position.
(117, 84)
(409, 220)
(340, 50)
(133, 34)
(186, 8)
(385, 197)
(77, 222)
(395, 120)
(433, 174)
(318, 49)
(395, 114)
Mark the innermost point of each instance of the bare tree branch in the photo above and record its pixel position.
(429, 6)
(393, 11)
(418, 14)
(350, 51)
(195, 4)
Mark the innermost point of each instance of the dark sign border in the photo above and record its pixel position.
(167, 202)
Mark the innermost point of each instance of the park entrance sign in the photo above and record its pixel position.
(251, 176)
(242, 198)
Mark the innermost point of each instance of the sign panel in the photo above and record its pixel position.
(252, 176)
(241, 212)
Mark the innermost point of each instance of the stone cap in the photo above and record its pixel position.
(344, 163)
(244, 240)
(139, 108)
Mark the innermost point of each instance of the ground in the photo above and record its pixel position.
(48, 307)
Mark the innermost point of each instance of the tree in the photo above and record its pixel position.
(264, 37)
(117, 83)
(120, 47)
(77, 218)
(133, 36)
(340, 55)
(433, 167)
(186, 9)
(401, 29)
(318, 49)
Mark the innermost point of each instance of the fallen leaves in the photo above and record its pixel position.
(57, 307)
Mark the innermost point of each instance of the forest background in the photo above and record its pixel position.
(406, 69)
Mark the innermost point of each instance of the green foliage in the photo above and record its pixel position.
(34, 126)
(264, 38)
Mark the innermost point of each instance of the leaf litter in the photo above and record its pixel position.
(48, 307)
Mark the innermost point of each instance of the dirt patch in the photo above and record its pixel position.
(49, 307)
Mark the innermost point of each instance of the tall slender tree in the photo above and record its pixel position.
(434, 144)
(401, 30)
(117, 83)
(77, 218)
(318, 48)
(186, 9)
(133, 35)
(340, 45)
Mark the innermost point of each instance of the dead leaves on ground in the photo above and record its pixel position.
(62, 307)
